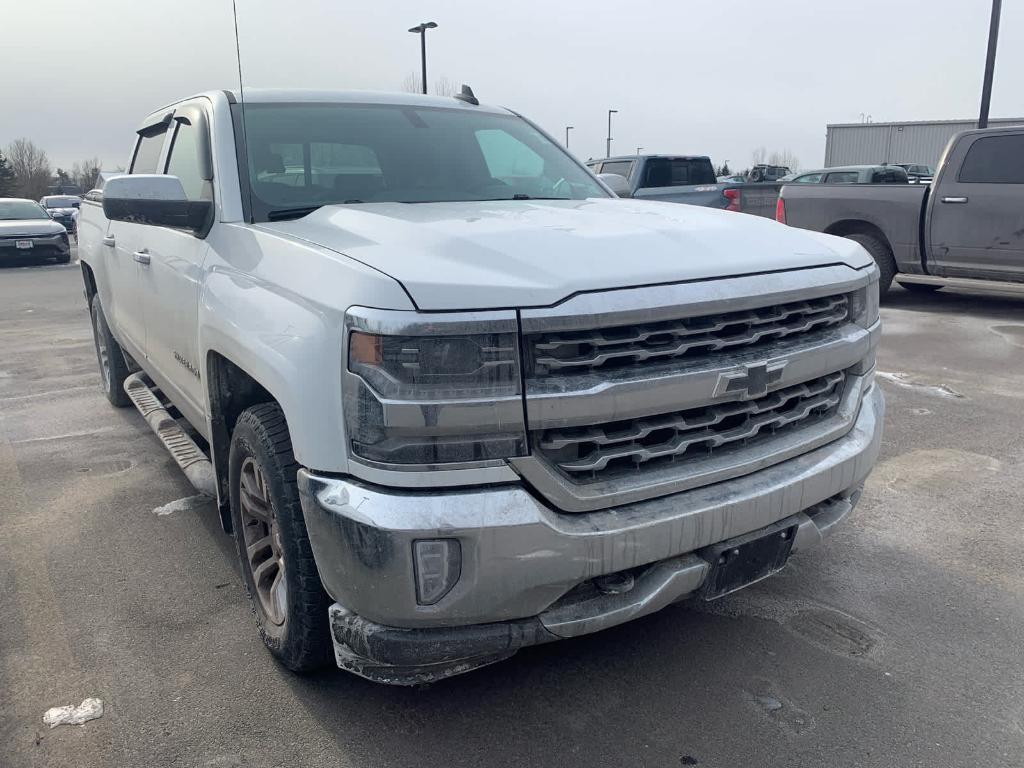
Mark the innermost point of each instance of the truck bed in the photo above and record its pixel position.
(896, 210)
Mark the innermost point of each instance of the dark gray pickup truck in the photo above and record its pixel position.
(966, 228)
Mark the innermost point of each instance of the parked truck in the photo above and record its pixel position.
(966, 228)
(453, 398)
(688, 179)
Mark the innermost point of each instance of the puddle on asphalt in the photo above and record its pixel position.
(108, 467)
(1011, 334)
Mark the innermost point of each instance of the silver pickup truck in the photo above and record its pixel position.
(452, 396)
(966, 228)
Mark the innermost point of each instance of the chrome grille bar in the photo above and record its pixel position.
(588, 451)
(573, 351)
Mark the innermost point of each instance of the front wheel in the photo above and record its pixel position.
(113, 366)
(883, 257)
(280, 574)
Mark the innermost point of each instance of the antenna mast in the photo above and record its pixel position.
(243, 183)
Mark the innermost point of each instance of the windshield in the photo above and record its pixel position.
(20, 209)
(62, 202)
(306, 155)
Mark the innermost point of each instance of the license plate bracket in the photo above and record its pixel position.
(741, 561)
(23, 245)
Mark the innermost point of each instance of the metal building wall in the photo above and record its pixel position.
(869, 143)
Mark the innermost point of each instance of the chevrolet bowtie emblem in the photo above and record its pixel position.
(752, 380)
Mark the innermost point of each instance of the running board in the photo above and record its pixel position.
(189, 456)
(962, 282)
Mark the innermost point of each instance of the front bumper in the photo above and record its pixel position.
(43, 247)
(521, 559)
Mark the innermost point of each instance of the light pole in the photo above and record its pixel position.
(421, 30)
(608, 144)
(638, 150)
(567, 129)
(990, 63)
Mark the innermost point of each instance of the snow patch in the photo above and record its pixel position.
(182, 505)
(88, 710)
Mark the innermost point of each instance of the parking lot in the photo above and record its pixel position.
(897, 643)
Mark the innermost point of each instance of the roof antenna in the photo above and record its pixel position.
(246, 189)
(467, 96)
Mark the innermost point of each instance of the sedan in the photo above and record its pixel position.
(62, 209)
(28, 233)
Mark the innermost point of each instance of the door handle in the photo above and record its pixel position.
(109, 241)
(954, 200)
(142, 256)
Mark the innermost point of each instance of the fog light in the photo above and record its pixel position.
(438, 567)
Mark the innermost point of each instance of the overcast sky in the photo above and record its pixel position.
(716, 77)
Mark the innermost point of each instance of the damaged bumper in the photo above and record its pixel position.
(527, 574)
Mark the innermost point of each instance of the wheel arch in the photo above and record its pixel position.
(848, 227)
(231, 389)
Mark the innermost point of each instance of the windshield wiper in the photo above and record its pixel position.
(283, 214)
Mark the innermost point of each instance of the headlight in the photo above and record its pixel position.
(423, 389)
(864, 302)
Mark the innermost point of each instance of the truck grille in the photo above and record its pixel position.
(604, 451)
(578, 352)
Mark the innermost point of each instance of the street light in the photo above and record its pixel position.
(421, 30)
(608, 144)
(638, 151)
(990, 63)
(567, 129)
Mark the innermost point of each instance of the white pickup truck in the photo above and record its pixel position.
(452, 396)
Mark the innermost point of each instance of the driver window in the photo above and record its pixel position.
(507, 158)
(184, 162)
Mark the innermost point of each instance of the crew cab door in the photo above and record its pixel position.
(171, 271)
(121, 246)
(975, 222)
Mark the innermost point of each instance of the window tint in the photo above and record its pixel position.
(995, 160)
(889, 176)
(148, 152)
(842, 177)
(507, 157)
(678, 172)
(808, 178)
(184, 162)
(621, 167)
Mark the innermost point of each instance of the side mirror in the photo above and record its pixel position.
(157, 200)
(616, 183)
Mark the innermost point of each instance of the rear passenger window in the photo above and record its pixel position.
(621, 167)
(995, 160)
(147, 153)
(184, 162)
(845, 177)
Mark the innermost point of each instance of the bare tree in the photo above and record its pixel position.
(784, 158)
(86, 172)
(443, 86)
(412, 83)
(757, 157)
(31, 168)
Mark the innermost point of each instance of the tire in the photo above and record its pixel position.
(109, 356)
(289, 601)
(883, 258)
(921, 287)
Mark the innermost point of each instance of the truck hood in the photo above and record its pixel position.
(489, 255)
(13, 227)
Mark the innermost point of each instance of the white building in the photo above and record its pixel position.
(913, 142)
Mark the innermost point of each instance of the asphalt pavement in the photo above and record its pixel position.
(896, 643)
